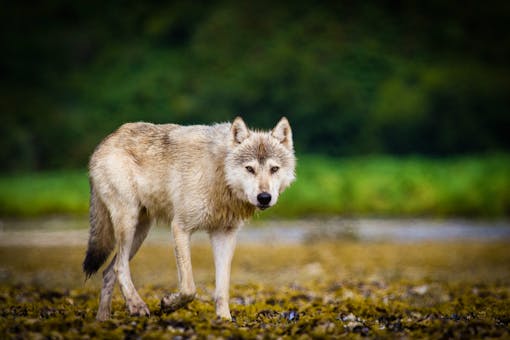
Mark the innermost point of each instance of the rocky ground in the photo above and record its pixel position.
(311, 289)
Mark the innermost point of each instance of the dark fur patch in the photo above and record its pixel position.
(94, 259)
(133, 156)
(166, 141)
(261, 153)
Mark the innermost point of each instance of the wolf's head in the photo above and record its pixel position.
(260, 165)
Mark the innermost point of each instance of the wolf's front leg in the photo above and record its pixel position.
(223, 244)
(187, 288)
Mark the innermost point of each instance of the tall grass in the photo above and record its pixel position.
(369, 186)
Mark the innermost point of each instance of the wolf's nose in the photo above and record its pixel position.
(264, 198)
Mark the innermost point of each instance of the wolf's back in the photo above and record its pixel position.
(101, 239)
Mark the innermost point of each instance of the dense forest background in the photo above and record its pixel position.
(411, 77)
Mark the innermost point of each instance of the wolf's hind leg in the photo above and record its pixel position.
(109, 279)
(125, 228)
(187, 290)
(105, 300)
(223, 244)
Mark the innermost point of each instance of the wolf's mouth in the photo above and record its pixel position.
(262, 206)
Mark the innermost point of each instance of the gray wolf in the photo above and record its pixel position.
(195, 177)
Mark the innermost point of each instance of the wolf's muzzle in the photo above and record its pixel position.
(264, 198)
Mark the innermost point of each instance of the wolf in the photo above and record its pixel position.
(195, 177)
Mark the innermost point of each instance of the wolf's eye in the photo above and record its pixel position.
(274, 169)
(250, 169)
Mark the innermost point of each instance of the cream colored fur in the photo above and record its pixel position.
(195, 178)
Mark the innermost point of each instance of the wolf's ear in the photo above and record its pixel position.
(239, 130)
(283, 133)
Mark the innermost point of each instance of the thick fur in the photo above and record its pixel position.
(196, 178)
(101, 240)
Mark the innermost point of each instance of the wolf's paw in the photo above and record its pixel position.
(224, 316)
(138, 309)
(222, 310)
(173, 302)
(103, 315)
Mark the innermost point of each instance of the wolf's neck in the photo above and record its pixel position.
(225, 201)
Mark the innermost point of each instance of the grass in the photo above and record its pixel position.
(370, 186)
(387, 186)
(320, 290)
(46, 193)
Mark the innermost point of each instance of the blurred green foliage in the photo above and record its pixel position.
(44, 193)
(388, 186)
(408, 77)
(359, 186)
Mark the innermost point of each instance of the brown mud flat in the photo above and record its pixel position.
(323, 289)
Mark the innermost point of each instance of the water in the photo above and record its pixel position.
(407, 230)
(74, 231)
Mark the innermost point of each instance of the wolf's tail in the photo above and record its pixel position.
(101, 238)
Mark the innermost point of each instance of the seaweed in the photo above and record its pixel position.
(337, 289)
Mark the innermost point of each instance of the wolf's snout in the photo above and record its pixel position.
(264, 198)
